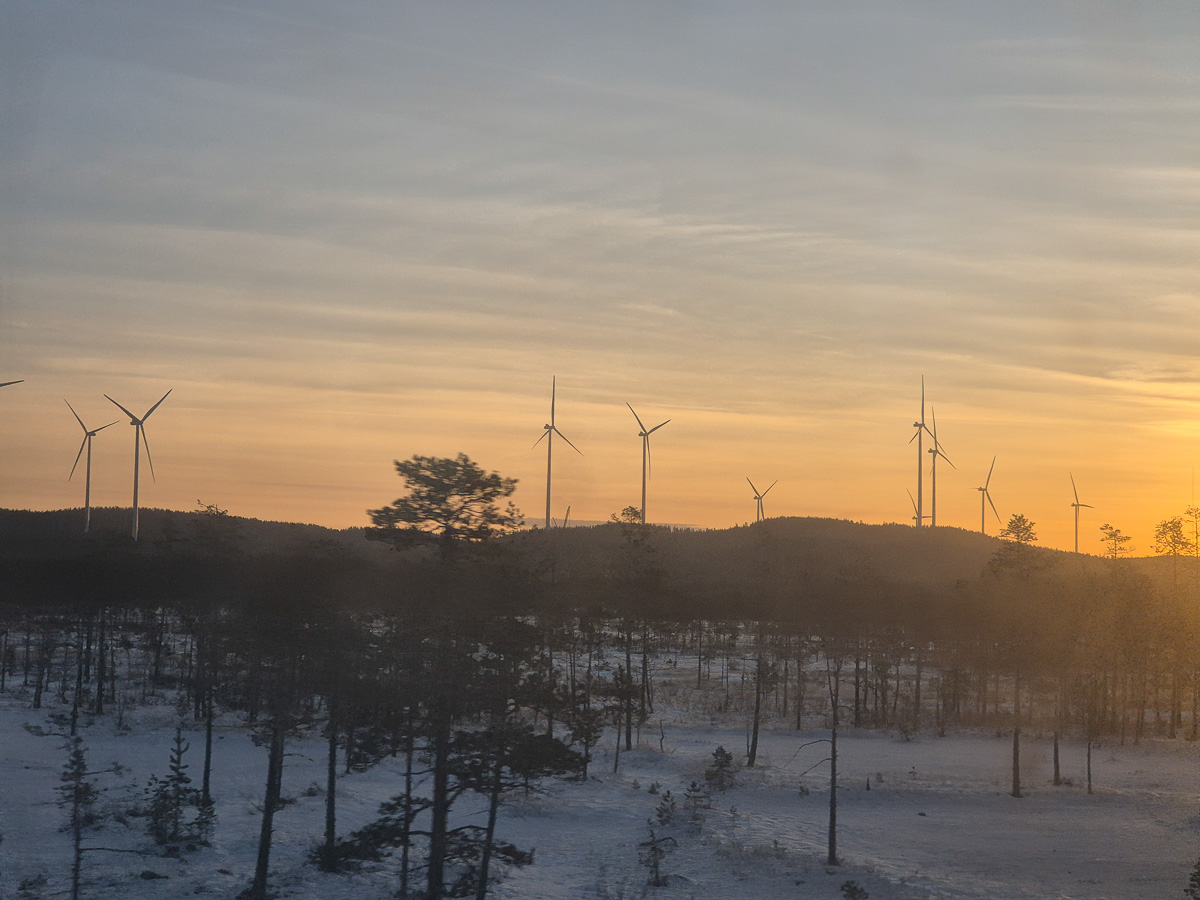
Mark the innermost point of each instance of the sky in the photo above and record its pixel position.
(344, 234)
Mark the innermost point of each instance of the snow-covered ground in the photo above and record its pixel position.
(937, 820)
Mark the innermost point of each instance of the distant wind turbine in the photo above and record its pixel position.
(87, 442)
(548, 436)
(644, 434)
(1077, 506)
(139, 433)
(922, 429)
(915, 509)
(935, 451)
(985, 496)
(760, 514)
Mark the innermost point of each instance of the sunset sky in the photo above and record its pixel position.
(346, 233)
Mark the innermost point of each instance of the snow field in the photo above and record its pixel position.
(937, 821)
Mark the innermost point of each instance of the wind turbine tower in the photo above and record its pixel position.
(139, 433)
(1077, 506)
(984, 496)
(922, 429)
(548, 433)
(88, 434)
(760, 515)
(644, 434)
(935, 451)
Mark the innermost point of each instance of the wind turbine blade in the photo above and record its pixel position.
(1074, 489)
(542, 438)
(915, 433)
(913, 502)
(564, 437)
(992, 505)
(77, 455)
(102, 427)
(649, 463)
(7, 383)
(155, 406)
(989, 478)
(1087, 506)
(752, 487)
(946, 458)
(773, 483)
(656, 427)
(636, 416)
(146, 443)
(922, 401)
(120, 407)
(553, 391)
(76, 415)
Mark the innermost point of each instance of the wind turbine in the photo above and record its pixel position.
(935, 451)
(916, 514)
(922, 429)
(760, 515)
(548, 436)
(139, 432)
(1077, 506)
(644, 434)
(984, 495)
(87, 442)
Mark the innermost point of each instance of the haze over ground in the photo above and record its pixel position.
(344, 235)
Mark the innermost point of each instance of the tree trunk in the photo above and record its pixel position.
(629, 687)
(490, 832)
(1016, 747)
(436, 871)
(101, 662)
(1089, 766)
(331, 788)
(916, 721)
(206, 779)
(832, 857)
(258, 888)
(752, 756)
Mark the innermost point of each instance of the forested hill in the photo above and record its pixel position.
(59, 534)
(769, 568)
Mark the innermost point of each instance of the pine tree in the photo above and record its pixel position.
(719, 775)
(78, 796)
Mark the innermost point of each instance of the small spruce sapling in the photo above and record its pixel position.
(171, 799)
(696, 799)
(665, 811)
(651, 854)
(1193, 888)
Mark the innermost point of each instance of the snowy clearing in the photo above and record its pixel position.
(935, 822)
